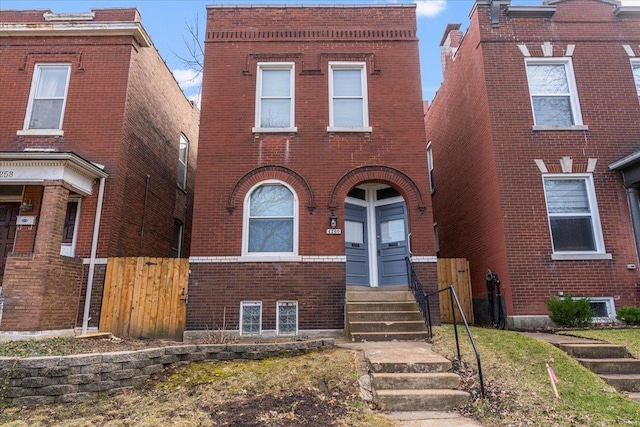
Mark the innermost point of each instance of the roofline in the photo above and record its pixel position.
(60, 29)
(299, 6)
(92, 168)
(626, 161)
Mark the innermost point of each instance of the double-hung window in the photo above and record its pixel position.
(183, 156)
(635, 67)
(572, 210)
(554, 96)
(275, 98)
(47, 99)
(271, 220)
(348, 104)
(430, 166)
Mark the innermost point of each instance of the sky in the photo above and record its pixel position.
(166, 22)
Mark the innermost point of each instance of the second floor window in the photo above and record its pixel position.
(553, 92)
(635, 67)
(275, 97)
(348, 109)
(183, 156)
(48, 97)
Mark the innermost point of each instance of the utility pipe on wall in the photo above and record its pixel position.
(92, 259)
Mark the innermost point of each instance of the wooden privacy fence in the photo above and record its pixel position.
(145, 297)
(455, 271)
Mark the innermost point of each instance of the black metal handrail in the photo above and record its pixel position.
(422, 298)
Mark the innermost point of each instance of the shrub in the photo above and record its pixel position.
(629, 315)
(569, 312)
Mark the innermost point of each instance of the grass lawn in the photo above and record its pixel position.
(316, 389)
(629, 338)
(514, 368)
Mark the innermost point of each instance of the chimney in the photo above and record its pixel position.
(449, 44)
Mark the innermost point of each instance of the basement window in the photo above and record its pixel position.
(250, 317)
(603, 309)
(287, 317)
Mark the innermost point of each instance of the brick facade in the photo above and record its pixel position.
(125, 112)
(320, 166)
(489, 199)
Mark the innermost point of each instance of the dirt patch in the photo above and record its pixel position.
(298, 409)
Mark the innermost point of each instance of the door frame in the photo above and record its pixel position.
(370, 203)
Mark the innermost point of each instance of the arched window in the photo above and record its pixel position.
(271, 220)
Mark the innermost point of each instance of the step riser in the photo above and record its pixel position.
(624, 384)
(417, 383)
(388, 327)
(379, 296)
(595, 351)
(381, 306)
(421, 403)
(373, 337)
(623, 366)
(391, 316)
(398, 368)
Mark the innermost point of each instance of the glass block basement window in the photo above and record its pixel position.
(287, 317)
(250, 317)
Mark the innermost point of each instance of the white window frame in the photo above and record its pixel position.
(182, 163)
(599, 252)
(362, 66)
(26, 130)
(269, 256)
(180, 241)
(430, 167)
(635, 63)
(611, 309)
(262, 66)
(295, 303)
(574, 101)
(69, 249)
(244, 304)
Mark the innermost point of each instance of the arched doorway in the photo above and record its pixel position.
(376, 236)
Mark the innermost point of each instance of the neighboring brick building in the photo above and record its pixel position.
(87, 104)
(538, 111)
(306, 111)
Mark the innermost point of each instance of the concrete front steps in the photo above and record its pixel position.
(383, 314)
(610, 362)
(411, 377)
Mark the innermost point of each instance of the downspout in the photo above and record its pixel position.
(92, 259)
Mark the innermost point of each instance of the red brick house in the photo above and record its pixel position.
(97, 159)
(312, 173)
(534, 138)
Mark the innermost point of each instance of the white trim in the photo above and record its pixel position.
(541, 166)
(566, 164)
(559, 128)
(430, 166)
(82, 16)
(35, 82)
(269, 256)
(627, 48)
(570, 49)
(574, 102)
(282, 66)
(594, 214)
(591, 165)
(97, 261)
(636, 63)
(39, 132)
(426, 258)
(547, 49)
(77, 29)
(182, 180)
(362, 66)
(237, 259)
(524, 50)
(611, 309)
(324, 258)
(278, 303)
(252, 304)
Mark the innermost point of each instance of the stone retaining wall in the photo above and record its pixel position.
(41, 380)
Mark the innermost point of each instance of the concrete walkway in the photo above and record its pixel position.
(556, 339)
(405, 352)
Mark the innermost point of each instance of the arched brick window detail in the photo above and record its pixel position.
(271, 172)
(377, 173)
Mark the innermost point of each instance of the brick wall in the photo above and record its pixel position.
(216, 290)
(495, 213)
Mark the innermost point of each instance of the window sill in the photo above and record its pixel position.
(364, 129)
(40, 132)
(559, 128)
(274, 130)
(270, 258)
(579, 257)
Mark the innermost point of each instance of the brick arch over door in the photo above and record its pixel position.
(264, 173)
(377, 173)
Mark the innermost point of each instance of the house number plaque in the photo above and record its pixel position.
(334, 231)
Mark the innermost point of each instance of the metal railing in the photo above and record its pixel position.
(422, 298)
